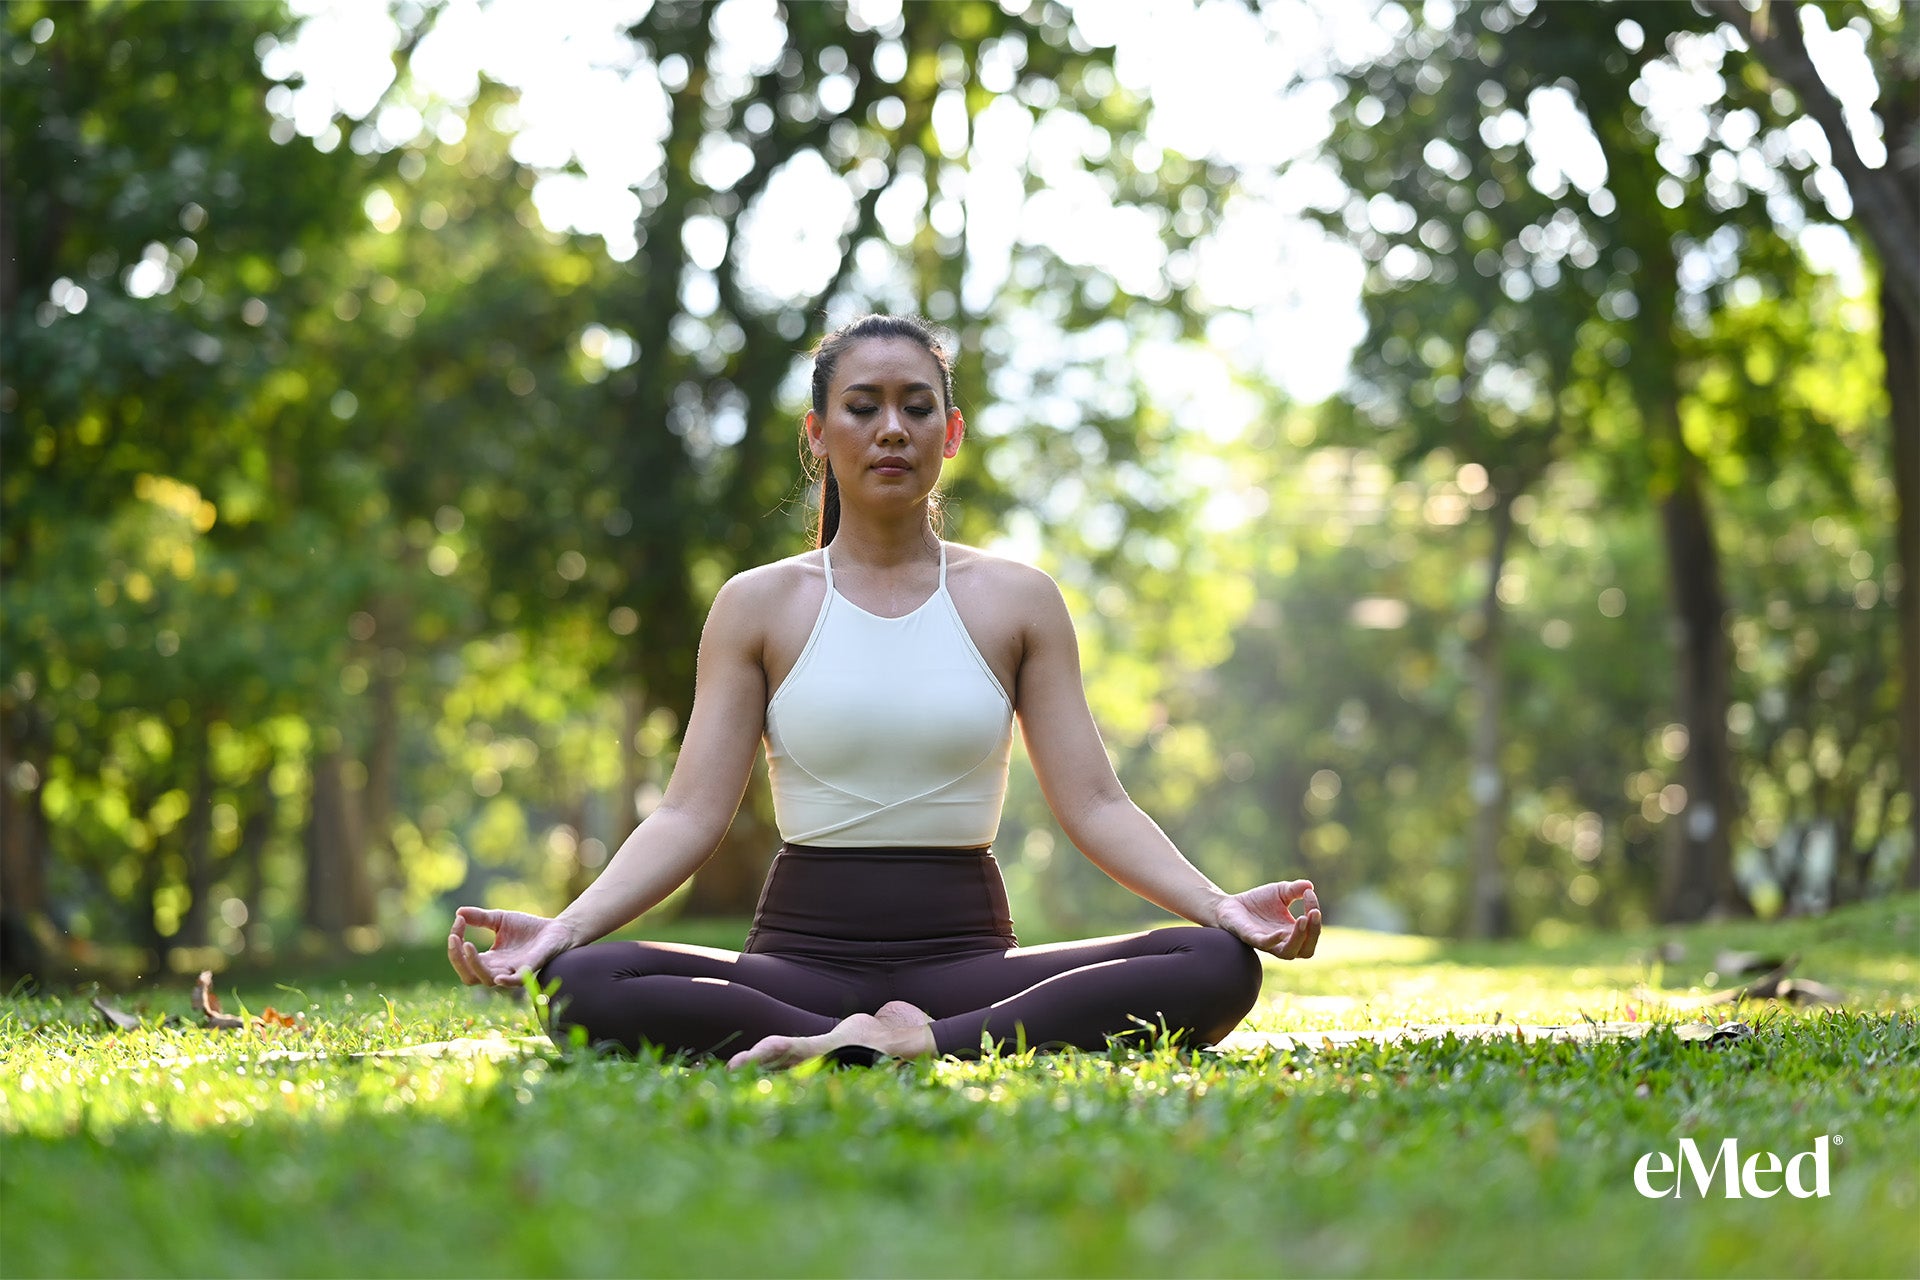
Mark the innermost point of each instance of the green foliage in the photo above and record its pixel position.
(343, 462)
(368, 448)
(1566, 296)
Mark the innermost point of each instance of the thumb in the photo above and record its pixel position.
(480, 917)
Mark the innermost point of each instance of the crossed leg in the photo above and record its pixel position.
(698, 1000)
(778, 1010)
(1195, 983)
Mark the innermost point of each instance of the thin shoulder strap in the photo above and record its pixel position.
(826, 562)
(943, 566)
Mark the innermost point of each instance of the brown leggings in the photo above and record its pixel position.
(844, 931)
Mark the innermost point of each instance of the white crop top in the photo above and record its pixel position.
(889, 731)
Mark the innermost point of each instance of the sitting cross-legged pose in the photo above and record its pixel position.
(884, 671)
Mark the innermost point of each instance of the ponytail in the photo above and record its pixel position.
(829, 507)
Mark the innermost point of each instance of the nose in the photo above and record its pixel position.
(893, 426)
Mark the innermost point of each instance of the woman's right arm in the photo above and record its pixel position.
(709, 778)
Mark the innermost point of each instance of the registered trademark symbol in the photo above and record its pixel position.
(1839, 1141)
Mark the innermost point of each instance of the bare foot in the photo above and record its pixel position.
(896, 1029)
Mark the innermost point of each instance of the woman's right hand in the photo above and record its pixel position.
(521, 944)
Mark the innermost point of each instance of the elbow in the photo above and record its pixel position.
(694, 829)
(1083, 817)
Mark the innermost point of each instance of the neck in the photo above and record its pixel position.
(884, 542)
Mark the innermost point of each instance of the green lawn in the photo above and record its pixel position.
(179, 1151)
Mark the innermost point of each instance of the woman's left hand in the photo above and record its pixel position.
(1263, 918)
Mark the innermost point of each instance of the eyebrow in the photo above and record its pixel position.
(874, 388)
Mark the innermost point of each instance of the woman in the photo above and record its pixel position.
(884, 671)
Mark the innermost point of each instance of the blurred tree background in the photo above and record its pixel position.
(359, 525)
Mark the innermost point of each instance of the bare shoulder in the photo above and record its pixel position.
(748, 599)
(1010, 594)
(774, 582)
(1011, 580)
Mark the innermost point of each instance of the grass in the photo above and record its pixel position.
(137, 1153)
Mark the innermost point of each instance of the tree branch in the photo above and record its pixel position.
(1776, 37)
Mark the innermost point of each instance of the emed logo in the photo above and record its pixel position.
(1739, 1177)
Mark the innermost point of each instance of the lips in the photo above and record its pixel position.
(892, 465)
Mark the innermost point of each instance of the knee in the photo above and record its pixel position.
(1233, 974)
(570, 980)
(564, 970)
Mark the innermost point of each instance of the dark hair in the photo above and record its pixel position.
(826, 355)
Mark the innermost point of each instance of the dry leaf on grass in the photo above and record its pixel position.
(118, 1019)
(1738, 964)
(207, 1005)
(272, 1017)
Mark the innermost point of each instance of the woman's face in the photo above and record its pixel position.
(886, 428)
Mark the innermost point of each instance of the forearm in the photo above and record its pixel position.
(650, 864)
(1120, 839)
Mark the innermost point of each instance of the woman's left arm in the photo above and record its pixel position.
(1096, 813)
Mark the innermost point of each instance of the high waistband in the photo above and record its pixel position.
(881, 904)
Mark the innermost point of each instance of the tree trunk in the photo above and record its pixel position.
(383, 768)
(339, 895)
(1701, 881)
(251, 855)
(1900, 345)
(1489, 914)
(196, 840)
(23, 868)
(159, 946)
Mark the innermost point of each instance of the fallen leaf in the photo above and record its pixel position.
(1708, 1033)
(1807, 991)
(207, 1005)
(116, 1018)
(1765, 987)
(272, 1017)
(1738, 964)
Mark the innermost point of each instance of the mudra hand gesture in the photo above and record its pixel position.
(521, 944)
(1263, 918)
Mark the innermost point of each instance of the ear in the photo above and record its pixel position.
(956, 432)
(815, 444)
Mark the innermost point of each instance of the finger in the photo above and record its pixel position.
(1272, 941)
(1312, 932)
(482, 973)
(504, 973)
(481, 917)
(456, 954)
(1306, 931)
(1309, 900)
(1268, 942)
